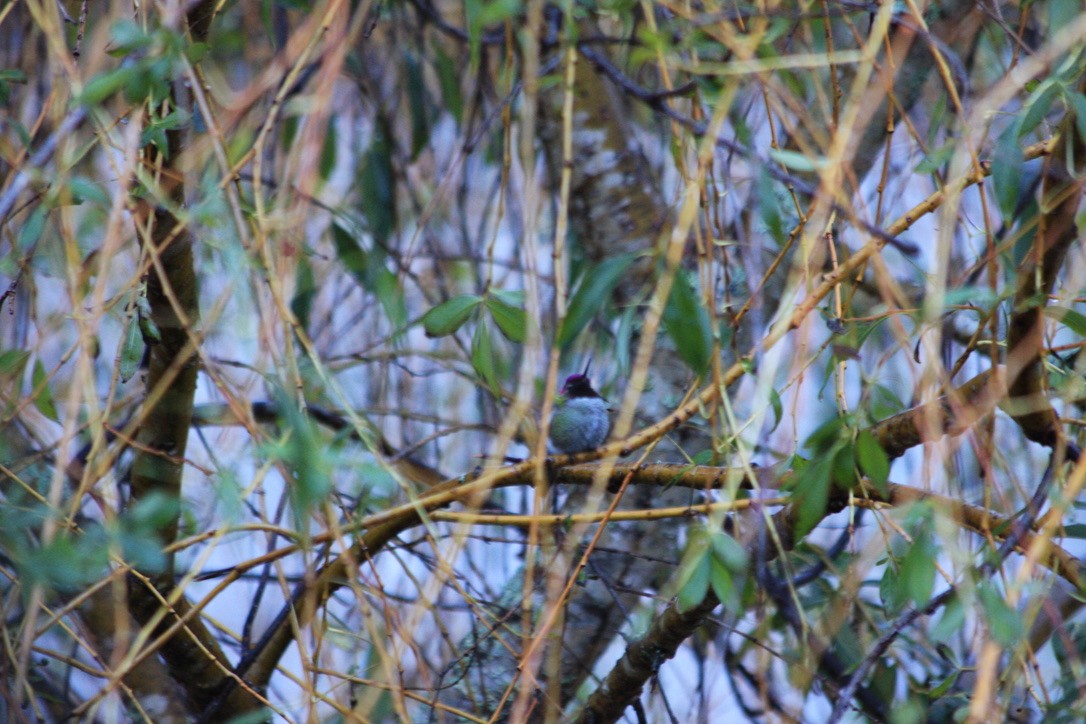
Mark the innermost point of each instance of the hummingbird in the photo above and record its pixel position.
(581, 421)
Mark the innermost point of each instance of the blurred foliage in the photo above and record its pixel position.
(379, 290)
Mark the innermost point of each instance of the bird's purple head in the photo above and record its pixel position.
(578, 386)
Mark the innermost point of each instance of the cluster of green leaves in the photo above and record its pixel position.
(591, 294)
(369, 267)
(71, 559)
(502, 308)
(1007, 159)
(377, 217)
(910, 565)
(302, 449)
(840, 455)
(152, 59)
(75, 192)
(685, 317)
(713, 559)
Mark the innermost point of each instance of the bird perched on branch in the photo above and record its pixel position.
(581, 421)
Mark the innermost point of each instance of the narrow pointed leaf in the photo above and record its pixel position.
(43, 398)
(511, 320)
(482, 358)
(874, 463)
(449, 316)
(687, 323)
(131, 350)
(591, 297)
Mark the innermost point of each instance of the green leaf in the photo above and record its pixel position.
(174, 120)
(104, 85)
(884, 402)
(769, 206)
(152, 513)
(65, 563)
(7, 77)
(917, 574)
(873, 460)
(305, 289)
(797, 161)
(844, 464)
(846, 644)
(704, 457)
(495, 12)
(513, 298)
(449, 316)
(149, 329)
(83, 188)
(196, 52)
(695, 570)
(936, 159)
(387, 289)
(368, 268)
(305, 454)
(593, 293)
(687, 323)
(951, 622)
(1062, 13)
(43, 398)
(1038, 105)
(473, 16)
(720, 579)
(1006, 170)
(982, 297)
(883, 680)
(377, 187)
(240, 143)
(728, 551)
(812, 492)
(1077, 101)
(328, 151)
(778, 408)
(511, 320)
(890, 590)
(416, 101)
(449, 80)
(941, 690)
(828, 434)
(482, 358)
(864, 331)
(136, 531)
(1075, 530)
(131, 352)
(142, 551)
(142, 85)
(12, 363)
(156, 137)
(33, 228)
(1004, 623)
(693, 591)
(1075, 321)
(127, 36)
